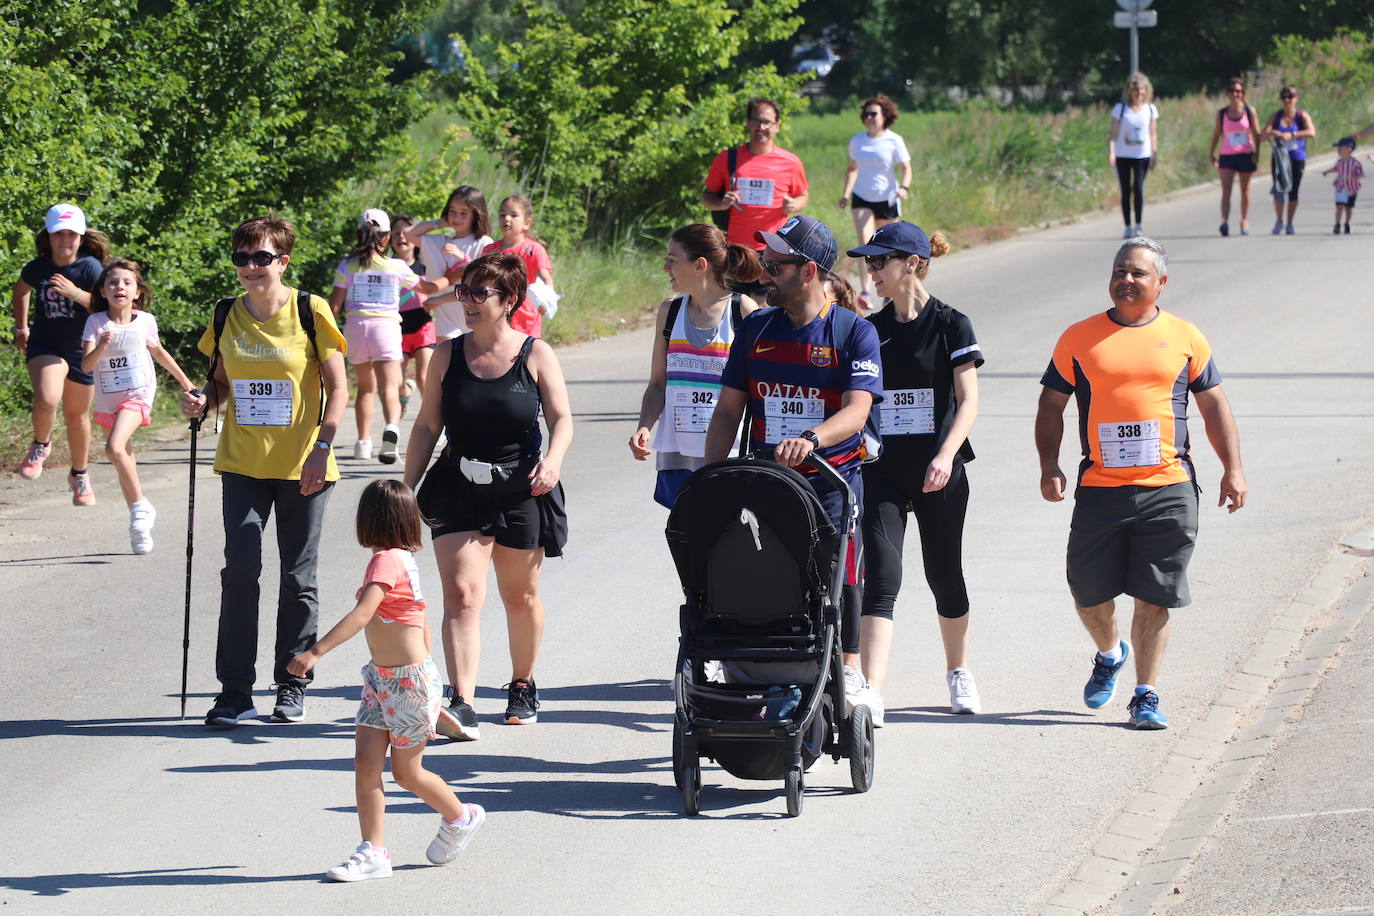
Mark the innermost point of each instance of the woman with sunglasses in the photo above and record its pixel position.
(872, 191)
(490, 499)
(930, 399)
(1288, 130)
(283, 392)
(1238, 130)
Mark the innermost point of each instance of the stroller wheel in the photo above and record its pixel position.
(861, 749)
(795, 788)
(691, 788)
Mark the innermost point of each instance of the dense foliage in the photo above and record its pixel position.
(170, 125)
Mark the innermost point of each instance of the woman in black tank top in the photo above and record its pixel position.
(490, 498)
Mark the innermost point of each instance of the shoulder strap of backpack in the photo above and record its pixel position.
(731, 160)
(307, 318)
(736, 310)
(673, 309)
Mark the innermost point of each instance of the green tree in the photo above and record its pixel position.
(610, 116)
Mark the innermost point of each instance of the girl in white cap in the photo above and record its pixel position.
(368, 287)
(120, 336)
(51, 302)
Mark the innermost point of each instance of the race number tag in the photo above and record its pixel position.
(373, 288)
(123, 373)
(1132, 444)
(1342, 197)
(755, 192)
(1237, 138)
(787, 418)
(263, 402)
(1135, 134)
(907, 412)
(692, 408)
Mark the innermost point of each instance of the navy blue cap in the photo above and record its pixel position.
(805, 236)
(1345, 141)
(900, 237)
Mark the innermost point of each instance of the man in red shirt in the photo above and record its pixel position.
(767, 184)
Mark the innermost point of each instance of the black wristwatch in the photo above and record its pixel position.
(322, 445)
(810, 436)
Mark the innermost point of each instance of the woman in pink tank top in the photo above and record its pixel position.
(1237, 128)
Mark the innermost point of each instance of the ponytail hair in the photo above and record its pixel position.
(369, 244)
(729, 262)
(94, 243)
(939, 246)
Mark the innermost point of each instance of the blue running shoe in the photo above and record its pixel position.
(1101, 686)
(1144, 709)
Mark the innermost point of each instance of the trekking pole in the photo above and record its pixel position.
(190, 551)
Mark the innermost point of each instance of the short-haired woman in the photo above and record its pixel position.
(872, 191)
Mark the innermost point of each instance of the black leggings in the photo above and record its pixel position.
(940, 519)
(1129, 171)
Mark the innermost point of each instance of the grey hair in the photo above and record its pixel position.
(1156, 250)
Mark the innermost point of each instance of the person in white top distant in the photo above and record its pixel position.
(872, 190)
(1132, 147)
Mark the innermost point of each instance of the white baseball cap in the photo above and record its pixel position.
(66, 216)
(377, 218)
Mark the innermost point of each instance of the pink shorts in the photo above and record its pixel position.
(418, 340)
(144, 410)
(372, 339)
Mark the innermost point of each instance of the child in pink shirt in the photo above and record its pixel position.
(517, 218)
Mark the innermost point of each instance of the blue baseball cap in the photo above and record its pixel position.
(806, 237)
(901, 237)
(1345, 141)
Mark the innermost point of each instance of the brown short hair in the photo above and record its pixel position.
(888, 106)
(145, 295)
(503, 272)
(272, 229)
(388, 517)
(751, 109)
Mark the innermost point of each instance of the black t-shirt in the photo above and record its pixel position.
(919, 358)
(52, 314)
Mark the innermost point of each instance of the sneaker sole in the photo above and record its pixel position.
(1150, 726)
(247, 715)
(480, 818)
(516, 720)
(387, 457)
(349, 879)
(279, 716)
(449, 727)
(964, 710)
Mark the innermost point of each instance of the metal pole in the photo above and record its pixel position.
(190, 551)
(1135, 48)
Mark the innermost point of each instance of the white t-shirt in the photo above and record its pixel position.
(125, 370)
(1133, 137)
(877, 158)
(448, 316)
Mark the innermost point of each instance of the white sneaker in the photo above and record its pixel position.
(868, 695)
(366, 862)
(854, 684)
(141, 518)
(452, 838)
(390, 436)
(362, 449)
(963, 694)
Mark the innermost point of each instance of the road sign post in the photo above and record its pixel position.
(1135, 15)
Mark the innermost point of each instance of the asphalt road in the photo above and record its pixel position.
(116, 806)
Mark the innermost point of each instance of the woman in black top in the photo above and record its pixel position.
(930, 399)
(490, 498)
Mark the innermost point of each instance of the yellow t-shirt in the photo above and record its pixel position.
(271, 417)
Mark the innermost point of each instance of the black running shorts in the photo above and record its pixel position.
(1132, 540)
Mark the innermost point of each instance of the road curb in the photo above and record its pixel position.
(1154, 838)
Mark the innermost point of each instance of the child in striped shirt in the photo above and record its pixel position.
(1348, 174)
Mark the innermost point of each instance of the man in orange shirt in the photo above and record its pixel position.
(1131, 369)
(763, 186)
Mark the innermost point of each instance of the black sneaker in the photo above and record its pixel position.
(458, 722)
(1347, 228)
(231, 708)
(521, 709)
(290, 706)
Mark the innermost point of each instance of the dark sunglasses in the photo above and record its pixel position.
(879, 261)
(772, 267)
(473, 294)
(258, 258)
(872, 114)
(1287, 98)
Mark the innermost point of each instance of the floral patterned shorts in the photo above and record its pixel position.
(403, 701)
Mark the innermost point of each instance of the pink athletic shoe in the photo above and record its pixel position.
(32, 465)
(83, 494)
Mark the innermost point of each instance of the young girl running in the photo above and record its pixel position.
(368, 285)
(417, 325)
(446, 245)
(120, 335)
(517, 219)
(401, 689)
(54, 290)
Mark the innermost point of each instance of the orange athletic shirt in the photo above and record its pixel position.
(394, 569)
(1132, 387)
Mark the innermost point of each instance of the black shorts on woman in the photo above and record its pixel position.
(480, 481)
(920, 354)
(881, 209)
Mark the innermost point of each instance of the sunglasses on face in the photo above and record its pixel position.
(872, 114)
(258, 258)
(1234, 90)
(473, 294)
(1287, 98)
(772, 267)
(879, 261)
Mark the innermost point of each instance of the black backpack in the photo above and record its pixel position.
(722, 217)
(307, 316)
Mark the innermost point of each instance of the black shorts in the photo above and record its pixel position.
(414, 319)
(505, 510)
(883, 210)
(41, 344)
(1132, 540)
(1237, 162)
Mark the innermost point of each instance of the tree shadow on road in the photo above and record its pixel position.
(942, 716)
(257, 731)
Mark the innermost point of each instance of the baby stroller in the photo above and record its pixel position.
(761, 566)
